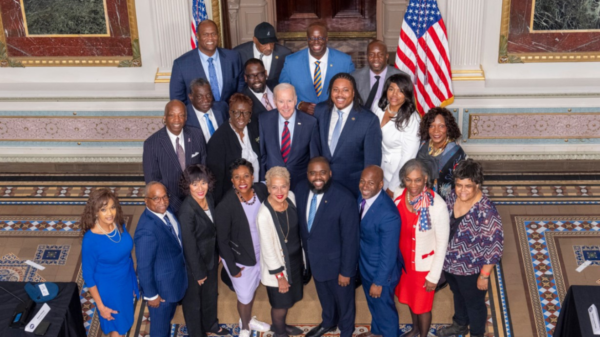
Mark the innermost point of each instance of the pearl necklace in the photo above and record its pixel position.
(111, 234)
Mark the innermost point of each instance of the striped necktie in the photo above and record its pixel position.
(285, 142)
(318, 81)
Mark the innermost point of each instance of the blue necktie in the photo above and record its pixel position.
(170, 225)
(211, 127)
(212, 78)
(312, 211)
(336, 131)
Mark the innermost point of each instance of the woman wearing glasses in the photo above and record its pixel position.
(228, 143)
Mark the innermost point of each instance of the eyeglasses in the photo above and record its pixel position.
(237, 114)
(157, 199)
(253, 76)
(316, 39)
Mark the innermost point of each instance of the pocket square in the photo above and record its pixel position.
(195, 154)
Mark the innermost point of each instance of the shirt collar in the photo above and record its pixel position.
(347, 109)
(160, 216)
(259, 95)
(372, 199)
(172, 137)
(200, 113)
(323, 59)
(204, 57)
(291, 121)
(257, 52)
(383, 73)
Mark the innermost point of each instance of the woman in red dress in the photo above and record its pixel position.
(423, 241)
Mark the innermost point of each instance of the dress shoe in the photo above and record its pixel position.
(368, 334)
(319, 331)
(290, 330)
(453, 330)
(221, 332)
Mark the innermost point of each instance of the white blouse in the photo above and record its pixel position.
(248, 153)
(398, 147)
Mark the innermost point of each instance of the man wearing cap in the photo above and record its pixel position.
(264, 47)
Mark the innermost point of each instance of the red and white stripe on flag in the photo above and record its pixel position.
(198, 14)
(423, 54)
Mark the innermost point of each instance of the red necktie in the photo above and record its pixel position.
(285, 142)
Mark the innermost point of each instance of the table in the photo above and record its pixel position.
(65, 315)
(574, 319)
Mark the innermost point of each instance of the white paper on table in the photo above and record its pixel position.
(37, 319)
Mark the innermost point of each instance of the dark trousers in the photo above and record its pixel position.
(160, 319)
(200, 304)
(338, 305)
(383, 310)
(469, 302)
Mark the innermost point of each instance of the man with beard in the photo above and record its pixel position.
(256, 88)
(329, 226)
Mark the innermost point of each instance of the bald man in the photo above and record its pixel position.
(171, 149)
(380, 262)
(370, 80)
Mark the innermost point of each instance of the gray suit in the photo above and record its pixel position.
(363, 81)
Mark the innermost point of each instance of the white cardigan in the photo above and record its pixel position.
(271, 253)
(431, 245)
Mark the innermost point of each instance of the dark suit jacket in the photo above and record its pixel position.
(279, 54)
(332, 246)
(188, 67)
(233, 230)
(160, 260)
(224, 147)
(220, 109)
(358, 147)
(363, 81)
(305, 144)
(161, 164)
(257, 107)
(380, 259)
(199, 236)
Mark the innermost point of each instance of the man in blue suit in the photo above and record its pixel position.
(350, 134)
(202, 111)
(221, 67)
(288, 138)
(171, 149)
(380, 262)
(310, 70)
(160, 261)
(329, 226)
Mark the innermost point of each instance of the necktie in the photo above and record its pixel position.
(336, 131)
(170, 225)
(372, 94)
(266, 102)
(285, 142)
(212, 78)
(318, 82)
(211, 127)
(312, 211)
(261, 56)
(362, 207)
(180, 154)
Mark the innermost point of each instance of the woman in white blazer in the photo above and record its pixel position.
(280, 249)
(424, 235)
(399, 123)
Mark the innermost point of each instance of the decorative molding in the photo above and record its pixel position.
(392, 14)
(464, 21)
(332, 35)
(535, 156)
(468, 75)
(234, 28)
(69, 159)
(171, 23)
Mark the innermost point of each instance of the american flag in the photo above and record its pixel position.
(423, 54)
(198, 14)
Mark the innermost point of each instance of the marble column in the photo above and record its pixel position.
(389, 21)
(172, 31)
(464, 22)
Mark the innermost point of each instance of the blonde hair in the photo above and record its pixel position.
(277, 172)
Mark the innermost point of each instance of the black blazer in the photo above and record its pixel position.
(257, 107)
(224, 147)
(199, 236)
(279, 54)
(233, 230)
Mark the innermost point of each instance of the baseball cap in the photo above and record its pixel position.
(265, 33)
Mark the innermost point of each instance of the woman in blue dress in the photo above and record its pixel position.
(106, 262)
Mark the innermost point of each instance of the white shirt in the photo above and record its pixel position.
(334, 119)
(248, 153)
(368, 204)
(203, 124)
(267, 59)
(323, 65)
(259, 96)
(173, 139)
(310, 196)
(175, 228)
(209, 215)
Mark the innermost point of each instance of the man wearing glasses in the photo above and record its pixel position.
(310, 70)
(257, 89)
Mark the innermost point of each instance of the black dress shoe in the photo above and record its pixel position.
(293, 330)
(221, 332)
(319, 331)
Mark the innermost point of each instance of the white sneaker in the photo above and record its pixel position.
(258, 325)
(244, 333)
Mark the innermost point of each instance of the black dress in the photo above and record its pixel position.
(294, 272)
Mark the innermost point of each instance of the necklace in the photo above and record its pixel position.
(436, 152)
(249, 203)
(111, 234)
(389, 112)
(287, 219)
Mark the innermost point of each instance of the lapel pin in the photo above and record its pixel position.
(189, 140)
(276, 57)
(353, 118)
(331, 65)
(299, 123)
(325, 201)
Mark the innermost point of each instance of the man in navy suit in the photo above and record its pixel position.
(288, 138)
(160, 261)
(329, 226)
(380, 262)
(310, 70)
(221, 67)
(202, 111)
(171, 149)
(350, 134)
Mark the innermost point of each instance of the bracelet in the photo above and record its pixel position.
(278, 276)
(484, 273)
(484, 277)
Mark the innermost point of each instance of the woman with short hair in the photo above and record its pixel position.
(475, 247)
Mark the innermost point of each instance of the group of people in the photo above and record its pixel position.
(289, 166)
